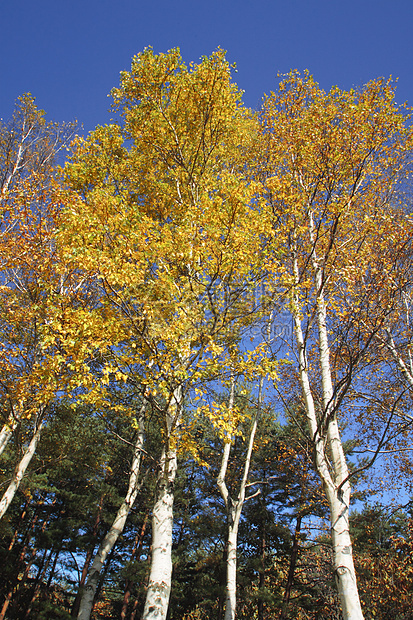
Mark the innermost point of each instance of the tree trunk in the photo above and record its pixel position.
(53, 569)
(21, 468)
(325, 434)
(405, 369)
(129, 582)
(291, 570)
(21, 580)
(223, 582)
(160, 577)
(6, 604)
(116, 529)
(17, 530)
(6, 433)
(102, 576)
(159, 587)
(134, 610)
(231, 597)
(40, 576)
(261, 570)
(234, 508)
(76, 604)
(339, 493)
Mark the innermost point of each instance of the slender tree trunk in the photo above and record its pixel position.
(138, 599)
(291, 570)
(405, 369)
(76, 604)
(40, 576)
(261, 570)
(334, 474)
(19, 159)
(135, 554)
(10, 426)
(6, 604)
(6, 433)
(102, 576)
(223, 582)
(17, 530)
(116, 530)
(231, 544)
(234, 508)
(20, 562)
(159, 586)
(339, 494)
(126, 599)
(21, 468)
(134, 610)
(231, 597)
(22, 580)
(53, 569)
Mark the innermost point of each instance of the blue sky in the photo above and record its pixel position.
(69, 54)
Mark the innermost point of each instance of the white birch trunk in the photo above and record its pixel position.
(118, 525)
(21, 469)
(231, 587)
(16, 166)
(407, 371)
(339, 494)
(159, 586)
(234, 508)
(6, 433)
(8, 428)
(326, 434)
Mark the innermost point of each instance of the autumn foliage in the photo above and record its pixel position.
(141, 284)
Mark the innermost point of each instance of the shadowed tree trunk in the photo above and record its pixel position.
(117, 527)
(135, 554)
(291, 570)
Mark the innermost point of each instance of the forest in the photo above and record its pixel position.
(206, 371)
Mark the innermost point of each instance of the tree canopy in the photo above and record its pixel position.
(166, 451)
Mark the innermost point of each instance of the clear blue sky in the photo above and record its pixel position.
(68, 54)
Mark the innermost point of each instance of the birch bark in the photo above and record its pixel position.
(8, 428)
(86, 603)
(405, 369)
(22, 466)
(6, 433)
(326, 436)
(159, 586)
(333, 193)
(234, 507)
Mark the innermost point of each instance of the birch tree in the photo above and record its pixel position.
(33, 290)
(235, 505)
(332, 162)
(29, 144)
(158, 210)
(116, 529)
(394, 351)
(29, 148)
